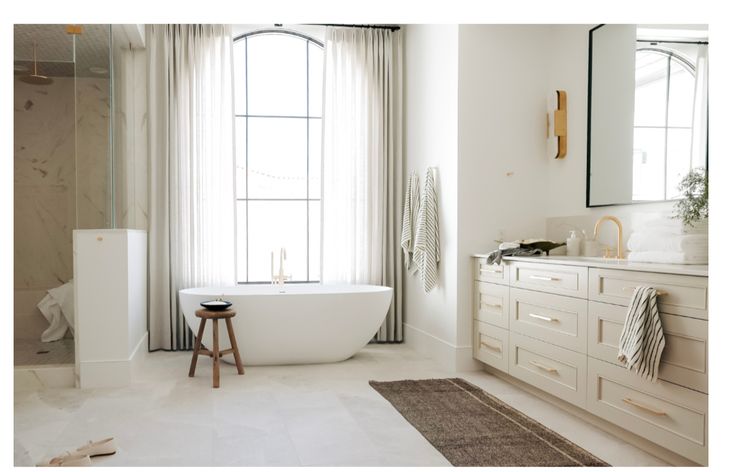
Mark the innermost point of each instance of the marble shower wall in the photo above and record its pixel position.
(93, 162)
(131, 138)
(44, 189)
(56, 187)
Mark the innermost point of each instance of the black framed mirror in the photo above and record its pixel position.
(647, 119)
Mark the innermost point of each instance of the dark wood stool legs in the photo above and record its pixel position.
(197, 347)
(233, 345)
(215, 353)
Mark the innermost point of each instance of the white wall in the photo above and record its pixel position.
(430, 95)
(502, 144)
(566, 178)
(475, 107)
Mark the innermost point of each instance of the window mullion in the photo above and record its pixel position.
(666, 128)
(247, 171)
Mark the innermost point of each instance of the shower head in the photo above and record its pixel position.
(35, 78)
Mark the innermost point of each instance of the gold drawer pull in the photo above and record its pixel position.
(491, 305)
(542, 277)
(542, 317)
(544, 367)
(644, 407)
(492, 348)
(492, 271)
(659, 293)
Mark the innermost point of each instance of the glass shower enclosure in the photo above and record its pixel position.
(70, 172)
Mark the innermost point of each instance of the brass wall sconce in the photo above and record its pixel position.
(556, 124)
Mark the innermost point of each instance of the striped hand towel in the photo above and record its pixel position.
(642, 341)
(411, 204)
(426, 251)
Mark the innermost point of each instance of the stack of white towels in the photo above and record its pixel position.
(669, 241)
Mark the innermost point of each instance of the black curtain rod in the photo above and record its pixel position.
(673, 42)
(388, 27)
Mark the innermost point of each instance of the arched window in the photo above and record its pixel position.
(664, 111)
(278, 107)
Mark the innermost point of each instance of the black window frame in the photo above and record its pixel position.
(308, 40)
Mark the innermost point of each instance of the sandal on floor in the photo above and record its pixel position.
(70, 459)
(104, 447)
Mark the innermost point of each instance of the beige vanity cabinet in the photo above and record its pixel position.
(490, 309)
(555, 324)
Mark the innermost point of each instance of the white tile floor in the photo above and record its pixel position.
(286, 415)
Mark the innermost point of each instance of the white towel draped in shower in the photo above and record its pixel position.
(426, 251)
(411, 204)
(58, 309)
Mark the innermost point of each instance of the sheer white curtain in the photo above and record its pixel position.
(701, 115)
(363, 163)
(192, 197)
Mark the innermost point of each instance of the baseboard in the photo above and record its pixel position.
(639, 441)
(449, 356)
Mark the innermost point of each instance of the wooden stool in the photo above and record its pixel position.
(215, 353)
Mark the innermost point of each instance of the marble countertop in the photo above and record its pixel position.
(680, 269)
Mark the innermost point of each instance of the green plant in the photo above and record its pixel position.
(694, 205)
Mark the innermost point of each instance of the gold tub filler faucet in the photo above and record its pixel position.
(621, 255)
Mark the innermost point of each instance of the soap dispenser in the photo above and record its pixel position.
(574, 244)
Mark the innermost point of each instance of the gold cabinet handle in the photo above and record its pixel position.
(542, 277)
(643, 407)
(544, 367)
(543, 318)
(492, 348)
(659, 293)
(491, 305)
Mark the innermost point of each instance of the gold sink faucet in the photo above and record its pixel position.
(620, 233)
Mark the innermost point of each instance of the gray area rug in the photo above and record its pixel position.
(472, 428)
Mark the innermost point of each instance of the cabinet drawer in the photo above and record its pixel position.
(496, 273)
(684, 360)
(555, 319)
(491, 303)
(680, 294)
(558, 279)
(556, 370)
(666, 414)
(490, 345)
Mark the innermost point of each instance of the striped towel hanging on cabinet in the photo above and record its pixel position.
(426, 250)
(642, 340)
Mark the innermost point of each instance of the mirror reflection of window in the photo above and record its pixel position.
(663, 124)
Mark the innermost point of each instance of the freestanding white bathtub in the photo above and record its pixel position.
(294, 324)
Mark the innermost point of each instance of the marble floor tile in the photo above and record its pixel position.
(314, 415)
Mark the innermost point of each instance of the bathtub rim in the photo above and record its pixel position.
(294, 289)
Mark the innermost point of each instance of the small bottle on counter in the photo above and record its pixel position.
(574, 244)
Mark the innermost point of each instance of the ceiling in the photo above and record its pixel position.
(56, 49)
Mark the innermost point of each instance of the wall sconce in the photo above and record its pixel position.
(556, 124)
